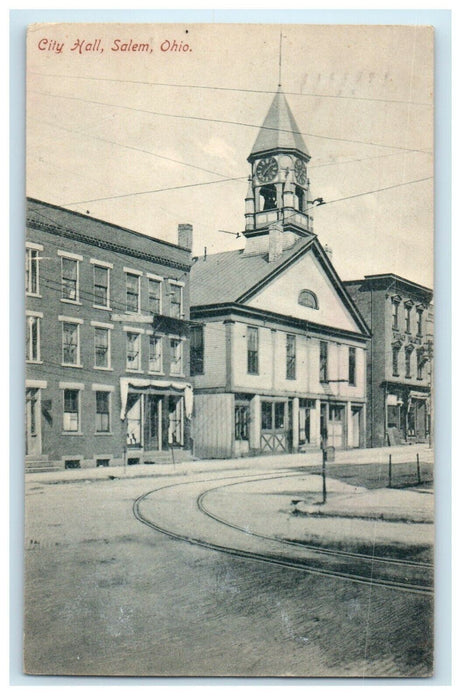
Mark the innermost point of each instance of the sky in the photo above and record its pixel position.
(150, 139)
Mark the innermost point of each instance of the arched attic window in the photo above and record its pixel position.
(308, 298)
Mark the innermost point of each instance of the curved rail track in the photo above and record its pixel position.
(303, 545)
(326, 562)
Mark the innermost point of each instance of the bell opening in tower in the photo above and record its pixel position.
(300, 197)
(269, 197)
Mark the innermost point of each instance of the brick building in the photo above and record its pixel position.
(107, 350)
(399, 314)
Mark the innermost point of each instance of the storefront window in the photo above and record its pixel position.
(266, 415)
(241, 422)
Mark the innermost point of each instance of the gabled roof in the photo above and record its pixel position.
(234, 278)
(279, 130)
(226, 277)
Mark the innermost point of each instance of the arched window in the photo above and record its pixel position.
(308, 298)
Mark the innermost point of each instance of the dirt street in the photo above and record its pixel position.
(105, 595)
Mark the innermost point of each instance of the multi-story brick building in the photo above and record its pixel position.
(279, 361)
(107, 350)
(399, 369)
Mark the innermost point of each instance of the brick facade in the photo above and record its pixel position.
(107, 366)
(399, 314)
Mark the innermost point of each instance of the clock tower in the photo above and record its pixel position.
(278, 188)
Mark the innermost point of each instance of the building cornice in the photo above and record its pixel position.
(392, 283)
(65, 232)
(213, 311)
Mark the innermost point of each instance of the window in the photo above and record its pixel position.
(69, 279)
(175, 300)
(279, 415)
(395, 360)
(242, 414)
(101, 348)
(133, 351)
(272, 415)
(72, 464)
(71, 422)
(408, 353)
(101, 286)
(335, 413)
(291, 356)
(102, 411)
(102, 462)
(408, 319)
(395, 315)
(420, 362)
(132, 292)
(33, 339)
(70, 344)
(323, 361)
(252, 350)
(32, 271)
(352, 366)
(176, 356)
(420, 321)
(154, 295)
(308, 298)
(266, 415)
(155, 353)
(196, 350)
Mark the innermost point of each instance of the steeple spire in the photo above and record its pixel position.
(279, 131)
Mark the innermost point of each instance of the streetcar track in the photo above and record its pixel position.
(303, 545)
(270, 559)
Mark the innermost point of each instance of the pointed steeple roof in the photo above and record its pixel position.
(279, 130)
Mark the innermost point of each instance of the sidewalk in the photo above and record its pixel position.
(378, 455)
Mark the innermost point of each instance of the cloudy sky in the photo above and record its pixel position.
(149, 139)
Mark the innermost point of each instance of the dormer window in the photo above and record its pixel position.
(308, 298)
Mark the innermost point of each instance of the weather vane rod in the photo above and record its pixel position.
(280, 61)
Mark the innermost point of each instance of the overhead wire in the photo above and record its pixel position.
(230, 89)
(224, 121)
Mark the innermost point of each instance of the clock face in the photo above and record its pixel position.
(300, 172)
(267, 169)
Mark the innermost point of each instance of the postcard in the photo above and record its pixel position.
(229, 423)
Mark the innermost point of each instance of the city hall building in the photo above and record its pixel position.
(107, 342)
(278, 352)
(399, 313)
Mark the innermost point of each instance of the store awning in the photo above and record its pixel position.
(418, 395)
(141, 383)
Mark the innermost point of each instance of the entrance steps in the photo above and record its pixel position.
(40, 464)
(166, 457)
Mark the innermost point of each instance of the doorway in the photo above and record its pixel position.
(274, 428)
(356, 425)
(33, 423)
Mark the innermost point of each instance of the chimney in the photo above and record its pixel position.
(185, 236)
(328, 251)
(275, 241)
